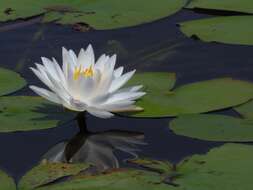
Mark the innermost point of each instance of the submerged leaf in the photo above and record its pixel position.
(10, 81)
(24, 113)
(214, 127)
(227, 29)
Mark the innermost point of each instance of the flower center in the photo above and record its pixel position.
(83, 72)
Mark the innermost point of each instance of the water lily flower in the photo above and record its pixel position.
(82, 84)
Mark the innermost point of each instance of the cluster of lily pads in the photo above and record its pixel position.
(189, 103)
(210, 171)
(112, 14)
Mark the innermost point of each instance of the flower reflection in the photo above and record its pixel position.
(97, 149)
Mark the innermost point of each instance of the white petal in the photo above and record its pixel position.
(59, 89)
(46, 94)
(118, 72)
(50, 68)
(119, 82)
(88, 86)
(99, 113)
(65, 61)
(101, 62)
(72, 55)
(86, 58)
(130, 89)
(117, 105)
(59, 72)
(124, 96)
(113, 61)
(42, 76)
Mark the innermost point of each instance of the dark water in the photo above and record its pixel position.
(158, 46)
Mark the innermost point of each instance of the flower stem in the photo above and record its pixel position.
(81, 120)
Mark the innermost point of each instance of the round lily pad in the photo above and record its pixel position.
(100, 14)
(245, 6)
(6, 182)
(227, 29)
(24, 113)
(227, 167)
(191, 98)
(214, 127)
(45, 173)
(10, 81)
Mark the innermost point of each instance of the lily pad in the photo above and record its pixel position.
(6, 182)
(245, 6)
(120, 179)
(24, 113)
(246, 110)
(227, 29)
(45, 173)
(100, 14)
(191, 98)
(227, 167)
(214, 127)
(10, 81)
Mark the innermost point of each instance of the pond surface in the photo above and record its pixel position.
(158, 46)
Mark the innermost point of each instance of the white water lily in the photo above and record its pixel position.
(82, 84)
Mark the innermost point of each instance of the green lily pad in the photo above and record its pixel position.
(6, 182)
(24, 113)
(227, 29)
(119, 179)
(10, 81)
(197, 97)
(45, 173)
(99, 14)
(246, 110)
(227, 167)
(214, 127)
(245, 6)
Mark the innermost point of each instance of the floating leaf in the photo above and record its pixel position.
(227, 167)
(45, 173)
(121, 179)
(197, 97)
(245, 6)
(100, 14)
(10, 81)
(213, 127)
(23, 113)
(6, 182)
(246, 110)
(228, 29)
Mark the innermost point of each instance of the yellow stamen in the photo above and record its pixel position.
(88, 72)
(77, 73)
(80, 72)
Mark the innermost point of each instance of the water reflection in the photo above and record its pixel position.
(97, 149)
